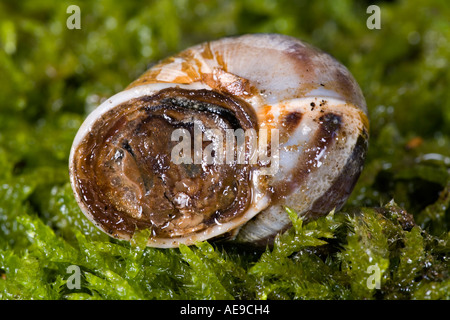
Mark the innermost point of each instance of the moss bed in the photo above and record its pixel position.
(390, 241)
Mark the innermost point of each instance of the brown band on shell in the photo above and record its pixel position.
(127, 181)
(288, 125)
(335, 196)
(329, 126)
(340, 190)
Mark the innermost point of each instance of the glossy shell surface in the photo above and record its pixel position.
(261, 81)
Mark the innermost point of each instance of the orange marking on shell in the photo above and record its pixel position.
(225, 82)
(266, 117)
(207, 53)
(219, 58)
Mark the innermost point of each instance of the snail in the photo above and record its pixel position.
(164, 154)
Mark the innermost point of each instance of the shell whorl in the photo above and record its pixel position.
(262, 81)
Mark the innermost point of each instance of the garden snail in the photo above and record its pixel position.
(131, 167)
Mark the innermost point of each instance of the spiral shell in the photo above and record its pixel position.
(307, 107)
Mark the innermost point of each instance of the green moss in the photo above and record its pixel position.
(394, 230)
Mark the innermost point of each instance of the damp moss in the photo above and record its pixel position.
(390, 241)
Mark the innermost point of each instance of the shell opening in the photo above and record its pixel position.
(126, 176)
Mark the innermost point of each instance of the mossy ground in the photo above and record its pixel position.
(389, 242)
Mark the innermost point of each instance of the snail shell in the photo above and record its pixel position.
(122, 169)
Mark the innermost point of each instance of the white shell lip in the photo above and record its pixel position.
(259, 200)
